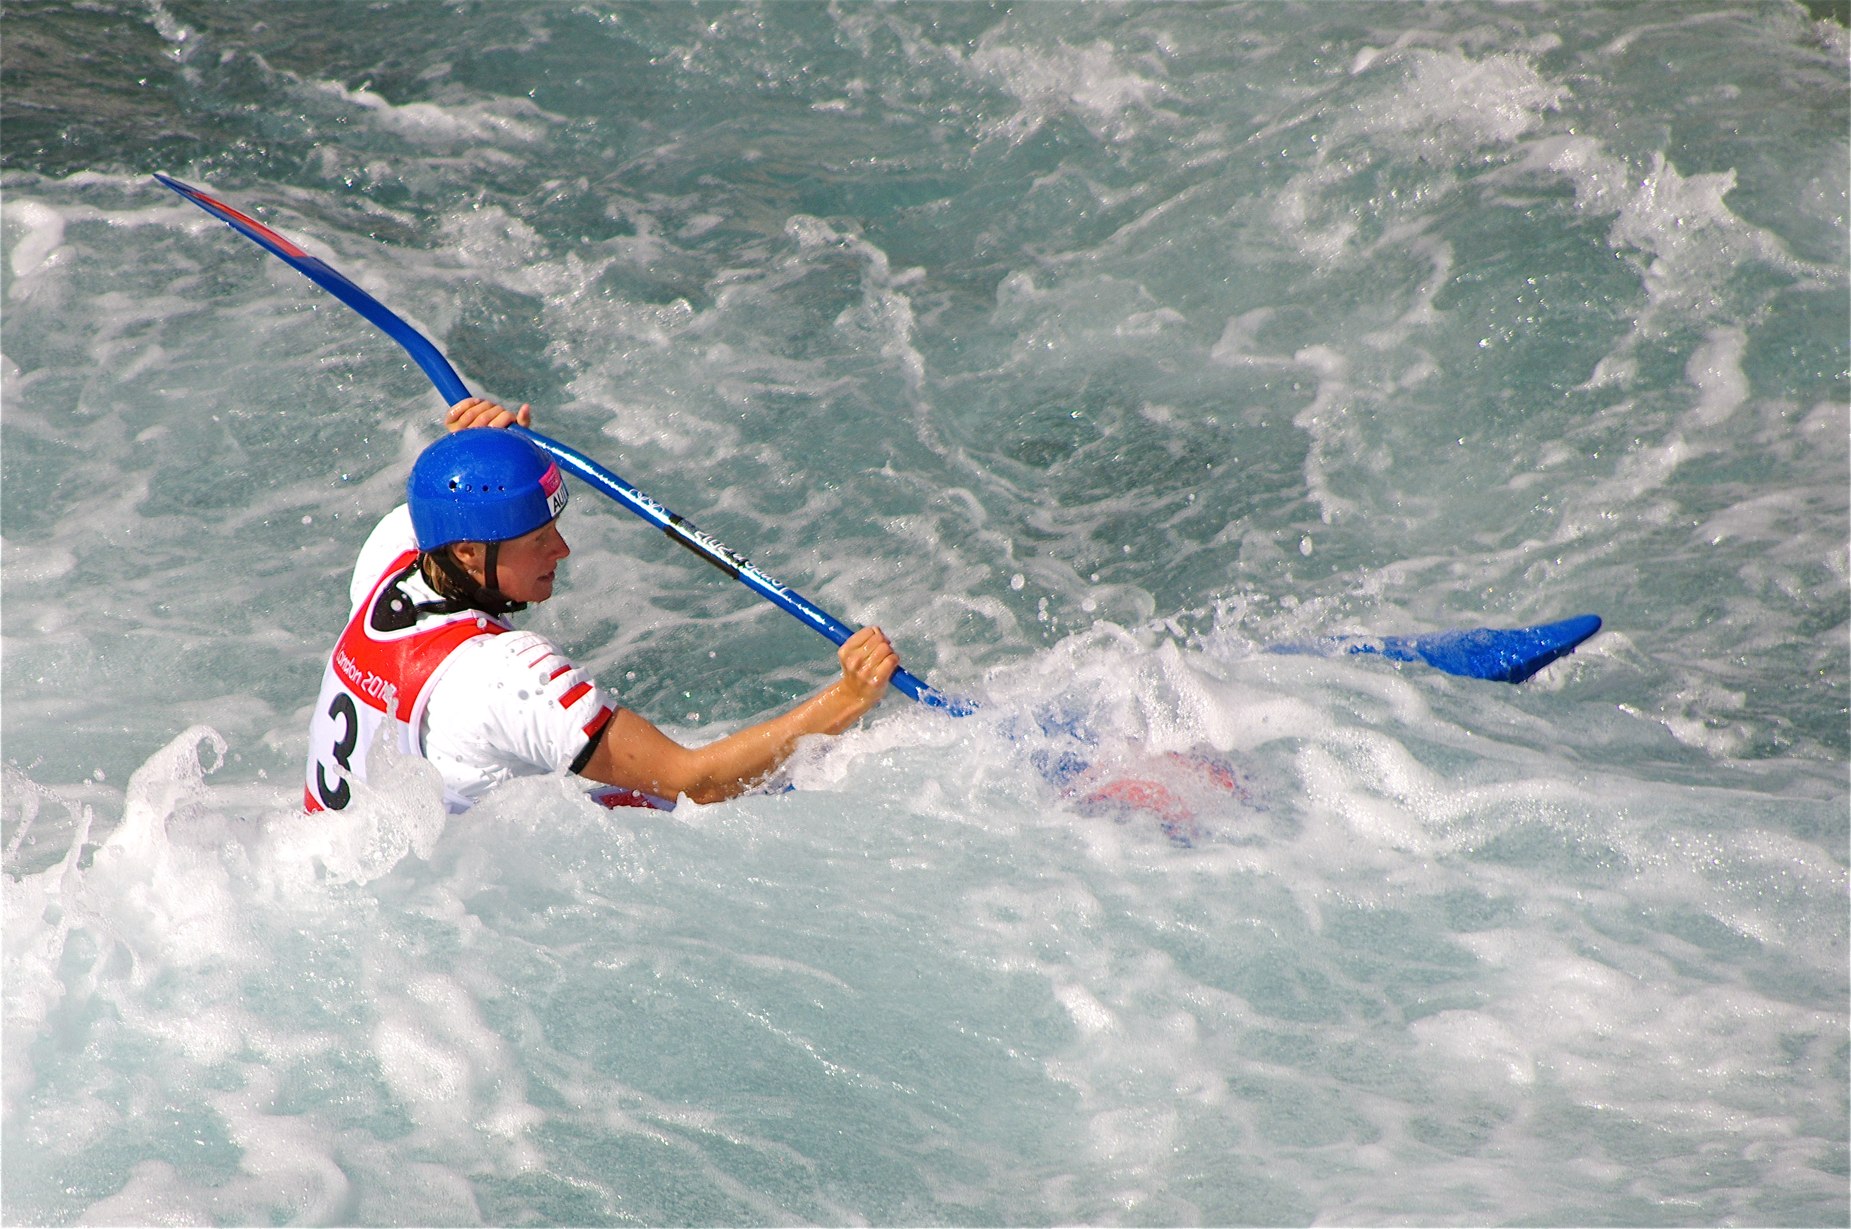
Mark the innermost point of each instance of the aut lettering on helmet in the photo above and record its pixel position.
(553, 484)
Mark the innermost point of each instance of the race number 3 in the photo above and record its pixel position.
(336, 797)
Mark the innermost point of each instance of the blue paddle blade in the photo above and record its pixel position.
(1501, 654)
(449, 385)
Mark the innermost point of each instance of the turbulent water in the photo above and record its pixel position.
(1090, 350)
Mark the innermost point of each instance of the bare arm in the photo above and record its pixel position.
(634, 754)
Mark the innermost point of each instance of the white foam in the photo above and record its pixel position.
(1324, 421)
(886, 312)
(1441, 108)
(41, 911)
(155, 1194)
(1090, 83)
(170, 901)
(1238, 344)
(1686, 239)
(503, 121)
(397, 813)
(1089, 1015)
(1492, 100)
(39, 248)
(1716, 370)
(1470, 1047)
(26, 564)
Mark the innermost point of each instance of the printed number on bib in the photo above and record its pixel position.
(337, 797)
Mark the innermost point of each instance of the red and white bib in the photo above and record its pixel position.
(481, 702)
(378, 678)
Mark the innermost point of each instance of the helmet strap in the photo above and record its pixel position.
(491, 553)
(465, 592)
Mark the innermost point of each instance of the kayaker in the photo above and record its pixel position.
(429, 656)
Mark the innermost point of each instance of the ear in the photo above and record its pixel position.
(472, 557)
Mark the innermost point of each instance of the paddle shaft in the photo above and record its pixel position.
(722, 557)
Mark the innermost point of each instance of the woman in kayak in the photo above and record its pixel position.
(429, 661)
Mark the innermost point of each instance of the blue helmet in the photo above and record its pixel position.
(484, 484)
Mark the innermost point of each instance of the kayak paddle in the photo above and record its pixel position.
(1508, 655)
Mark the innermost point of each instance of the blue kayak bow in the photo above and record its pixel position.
(1504, 654)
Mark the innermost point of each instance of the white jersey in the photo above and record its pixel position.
(480, 701)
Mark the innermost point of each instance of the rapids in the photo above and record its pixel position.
(1089, 349)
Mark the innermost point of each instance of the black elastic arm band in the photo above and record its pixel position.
(591, 746)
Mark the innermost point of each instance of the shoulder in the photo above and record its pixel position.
(514, 695)
(515, 647)
(392, 537)
(519, 672)
(521, 664)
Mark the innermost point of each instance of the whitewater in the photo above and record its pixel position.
(1093, 351)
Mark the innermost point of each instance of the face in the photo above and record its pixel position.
(525, 567)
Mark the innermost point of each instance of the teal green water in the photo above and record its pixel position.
(1089, 349)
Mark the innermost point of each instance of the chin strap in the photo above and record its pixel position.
(474, 595)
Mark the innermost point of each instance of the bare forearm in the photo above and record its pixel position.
(729, 766)
(634, 754)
